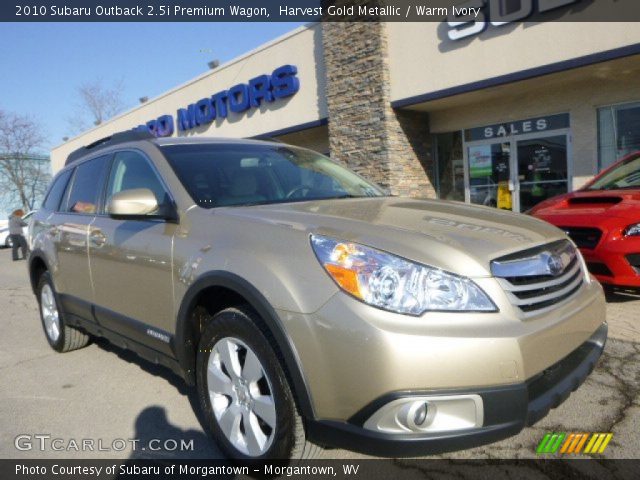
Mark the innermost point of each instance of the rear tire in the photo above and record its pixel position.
(61, 337)
(244, 394)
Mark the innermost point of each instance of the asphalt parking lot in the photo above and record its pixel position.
(107, 395)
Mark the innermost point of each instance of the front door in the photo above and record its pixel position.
(517, 170)
(131, 260)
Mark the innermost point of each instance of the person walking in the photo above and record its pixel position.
(17, 238)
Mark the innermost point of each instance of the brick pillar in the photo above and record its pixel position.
(390, 147)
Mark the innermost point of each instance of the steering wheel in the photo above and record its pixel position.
(299, 188)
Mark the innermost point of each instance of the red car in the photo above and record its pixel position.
(603, 219)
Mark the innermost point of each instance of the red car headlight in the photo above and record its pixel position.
(632, 230)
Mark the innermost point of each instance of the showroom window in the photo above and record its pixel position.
(618, 132)
(449, 166)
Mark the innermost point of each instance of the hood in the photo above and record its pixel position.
(454, 236)
(590, 204)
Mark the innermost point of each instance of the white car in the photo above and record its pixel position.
(5, 238)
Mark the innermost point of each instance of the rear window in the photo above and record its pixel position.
(56, 191)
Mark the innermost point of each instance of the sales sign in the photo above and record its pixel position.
(518, 127)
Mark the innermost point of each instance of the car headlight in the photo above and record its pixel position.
(632, 230)
(393, 283)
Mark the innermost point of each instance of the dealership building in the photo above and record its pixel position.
(503, 115)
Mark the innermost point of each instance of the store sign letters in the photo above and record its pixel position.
(495, 13)
(527, 126)
(281, 83)
(518, 127)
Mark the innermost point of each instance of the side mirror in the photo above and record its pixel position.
(138, 203)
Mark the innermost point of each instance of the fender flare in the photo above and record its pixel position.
(185, 351)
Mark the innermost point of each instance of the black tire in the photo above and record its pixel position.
(241, 323)
(69, 338)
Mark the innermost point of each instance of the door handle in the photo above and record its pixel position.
(98, 238)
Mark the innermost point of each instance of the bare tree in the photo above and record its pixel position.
(97, 103)
(24, 175)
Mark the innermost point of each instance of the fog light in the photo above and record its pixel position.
(416, 415)
(421, 414)
(428, 414)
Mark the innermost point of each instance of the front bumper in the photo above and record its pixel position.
(507, 410)
(615, 261)
(615, 258)
(350, 353)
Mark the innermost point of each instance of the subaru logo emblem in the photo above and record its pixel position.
(554, 264)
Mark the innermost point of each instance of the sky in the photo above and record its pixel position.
(43, 64)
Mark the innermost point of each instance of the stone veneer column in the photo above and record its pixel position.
(390, 147)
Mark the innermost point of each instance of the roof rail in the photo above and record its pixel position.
(116, 138)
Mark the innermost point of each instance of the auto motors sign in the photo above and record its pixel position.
(281, 83)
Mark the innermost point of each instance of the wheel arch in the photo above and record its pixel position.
(185, 346)
(37, 266)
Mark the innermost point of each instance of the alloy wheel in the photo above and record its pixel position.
(50, 314)
(241, 396)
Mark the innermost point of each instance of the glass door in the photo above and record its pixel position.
(518, 172)
(489, 166)
(542, 169)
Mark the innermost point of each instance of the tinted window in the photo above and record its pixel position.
(130, 171)
(223, 175)
(86, 186)
(52, 202)
(625, 175)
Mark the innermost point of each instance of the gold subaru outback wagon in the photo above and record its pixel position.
(306, 305)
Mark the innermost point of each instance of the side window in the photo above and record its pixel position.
(131, 170)
(56, 191)
(86, 186)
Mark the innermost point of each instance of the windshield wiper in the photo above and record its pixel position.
(346, 195)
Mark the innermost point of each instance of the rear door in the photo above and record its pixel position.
(41, 226)
(69, 230)
(131, 259)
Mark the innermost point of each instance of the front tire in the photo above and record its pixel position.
(61, 337)
(248, 406)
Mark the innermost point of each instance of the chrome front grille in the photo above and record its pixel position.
(538, 278)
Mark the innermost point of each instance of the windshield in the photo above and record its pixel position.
(625, 175)
(217, 175)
